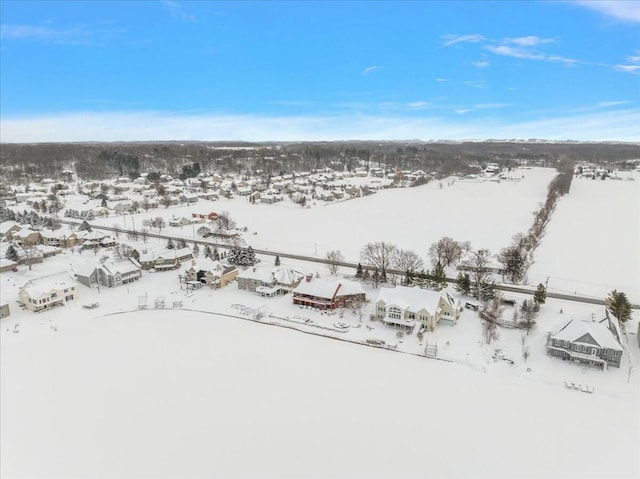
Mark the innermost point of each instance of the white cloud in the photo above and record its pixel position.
(604, 125)
(451, 39)
(628, 68)
(515, 52)
(529, 41)
(606, 104)
(441, 80)
(418, 105)
(178, 12)
(625, 10)
(482, 64)
(475, 84)
(76, 35)
(370, 69)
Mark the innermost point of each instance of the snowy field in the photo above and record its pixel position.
(592, 244)
(487, 213)
(115, 392)
(166, 394)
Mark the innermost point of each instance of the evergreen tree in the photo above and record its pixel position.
(277, 260)
(104, 203)
(85, 226)
(540, 296)
(359, 272)
(463, 283)
(251, 257)
(196, 250)
(619, 305)
(12, 254)
(207, 252)
(232, 257)
(216, 254)
(438, 277)
(170, 244)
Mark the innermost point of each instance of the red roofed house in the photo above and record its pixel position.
(327, 294)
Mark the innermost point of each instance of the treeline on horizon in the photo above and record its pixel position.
(24, 162)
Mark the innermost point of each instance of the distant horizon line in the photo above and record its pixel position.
(281, 142)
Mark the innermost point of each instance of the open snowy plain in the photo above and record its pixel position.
(592, 244)
(205, 391)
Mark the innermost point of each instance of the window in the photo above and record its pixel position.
(394, 312)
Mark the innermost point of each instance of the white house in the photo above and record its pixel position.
(404, 307)
(48, 291)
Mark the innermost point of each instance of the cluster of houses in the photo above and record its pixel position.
(597, 342)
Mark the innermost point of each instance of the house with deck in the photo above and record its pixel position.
(404, 307)
(48, 291)
(328, 293)
(595, 342)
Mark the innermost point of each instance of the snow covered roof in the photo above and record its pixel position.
(263, 274)
(51, 234)
(323, 288)
(23, 233)
(7, 263)
(7, 225)
(412, 299)
(122, 266)
(598, 330)
(287, 275)
(36, 288)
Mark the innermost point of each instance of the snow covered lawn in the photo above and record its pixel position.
(592, 244)
(189, 394)
(111, 393)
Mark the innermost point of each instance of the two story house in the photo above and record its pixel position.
(216, 274)
(595, 342)
(48, 291)
(403, 307)
(327, 294)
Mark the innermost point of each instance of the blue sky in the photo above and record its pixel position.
(168, 70)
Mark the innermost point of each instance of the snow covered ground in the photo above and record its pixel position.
(117, 392)
(487, 213)
(592, 244)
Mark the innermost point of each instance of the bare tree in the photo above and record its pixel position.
(116, 230)
(380, 255)
(358, 306)
(145, 204)
(30, 255)
(203, 231)
(334, 257)
(225, 222)
(408, 261)
(160, 223)
(490, 315)
(480, 273)
(525, 348)
(446, 251)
